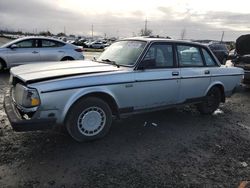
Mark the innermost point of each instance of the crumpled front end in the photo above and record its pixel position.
(21, 105)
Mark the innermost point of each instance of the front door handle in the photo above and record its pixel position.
(207, 72)
(175, 73)
(34, 52)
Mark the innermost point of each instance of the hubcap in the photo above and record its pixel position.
(91, 121)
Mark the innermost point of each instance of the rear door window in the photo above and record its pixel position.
(208, 59)
(50, 44)
(189, 56)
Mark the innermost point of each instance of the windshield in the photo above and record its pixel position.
(123, 52)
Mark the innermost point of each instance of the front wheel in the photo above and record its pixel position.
(1, 66)
(89, 119)
(211, 102)
(67, 59)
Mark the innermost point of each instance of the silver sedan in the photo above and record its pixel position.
(37, 49)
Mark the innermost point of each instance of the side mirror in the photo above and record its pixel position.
(13, 46)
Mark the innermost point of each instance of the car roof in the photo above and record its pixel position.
(155, 39)
(40, 37)
(31, 37)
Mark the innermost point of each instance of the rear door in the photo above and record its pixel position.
(25, 52)
(195, 75)
(51, 50)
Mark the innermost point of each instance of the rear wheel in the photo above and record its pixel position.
(2, 66)
(67, 59)
(89, 119)
(211, 102)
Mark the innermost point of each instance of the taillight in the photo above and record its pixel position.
(79, 49)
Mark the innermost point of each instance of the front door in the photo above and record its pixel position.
(157, 78)
(26, 51)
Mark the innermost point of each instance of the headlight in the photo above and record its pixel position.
(26, 97)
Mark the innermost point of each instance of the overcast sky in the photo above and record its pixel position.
(124, 18)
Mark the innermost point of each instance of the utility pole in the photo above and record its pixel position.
(146, 27)
(92, 30)
(183, 33)
(222, 36)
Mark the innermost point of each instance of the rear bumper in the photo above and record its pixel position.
(19, 124)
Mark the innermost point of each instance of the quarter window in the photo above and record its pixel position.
(208, 59)
(159, 56)
(189, 56)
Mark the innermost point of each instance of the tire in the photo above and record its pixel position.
(211, 102)
(67, 59)
(89, 119)
(2, 66)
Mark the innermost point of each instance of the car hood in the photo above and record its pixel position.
(2, 49)
(242, 45)
(45, 71)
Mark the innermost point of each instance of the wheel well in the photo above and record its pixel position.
(223, 98)
(105, 97)
(4, 63)
(67, 58)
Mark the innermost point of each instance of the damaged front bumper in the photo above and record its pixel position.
(19, 123)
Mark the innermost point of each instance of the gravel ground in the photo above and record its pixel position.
(183, 149)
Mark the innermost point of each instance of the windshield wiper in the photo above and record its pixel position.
(110, 62)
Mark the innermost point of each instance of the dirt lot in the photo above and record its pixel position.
(185, 149)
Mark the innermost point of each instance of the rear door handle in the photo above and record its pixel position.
(207, 72)
(175, 73)
(35, 52)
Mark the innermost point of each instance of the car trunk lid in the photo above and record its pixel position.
(242, 45)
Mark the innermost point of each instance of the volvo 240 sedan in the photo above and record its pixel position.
(131, 76)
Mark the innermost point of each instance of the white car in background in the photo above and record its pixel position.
(37, 49)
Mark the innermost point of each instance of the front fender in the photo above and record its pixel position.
(81, 93)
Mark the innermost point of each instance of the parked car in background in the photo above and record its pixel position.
(96, 45)
(80, 42)
(131, 76)
(241, 56)
(231, 53)
(37, 49)
(220, 51)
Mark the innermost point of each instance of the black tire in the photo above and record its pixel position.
(2, 66)
(67, 59)
(211, 102)
(89, 113)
